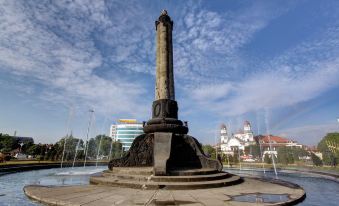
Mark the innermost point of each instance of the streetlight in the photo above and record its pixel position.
(91, 111)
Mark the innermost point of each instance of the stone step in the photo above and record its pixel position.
(131, 170)
(232, 180)
(149, 171)
(191, 172)
(195, 178)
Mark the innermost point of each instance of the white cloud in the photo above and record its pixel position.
(34, 44)
(207, 43)
(298, 75)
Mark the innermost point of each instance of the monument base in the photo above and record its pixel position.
(102, 195)
(166, 152)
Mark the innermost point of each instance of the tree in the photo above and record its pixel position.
(285, 155)
(316, 160)
(253, 150)
(328, 146)
(105, 145)
(7, 143)
(71, 144)
(116, 150)
(34, 150)
(299, 153)
(209, 151)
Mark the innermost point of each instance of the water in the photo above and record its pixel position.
(319, 191)
(11, 185)
(261, 198)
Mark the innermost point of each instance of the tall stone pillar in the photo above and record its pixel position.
(164, 87)
(164, 108)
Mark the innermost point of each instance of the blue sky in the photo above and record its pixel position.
(274, 63)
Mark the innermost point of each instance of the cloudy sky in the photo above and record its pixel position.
(274, 63)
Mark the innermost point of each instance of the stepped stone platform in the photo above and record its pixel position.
(103, 195)
(143, 178)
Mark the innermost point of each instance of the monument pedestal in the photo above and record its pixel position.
(166, 152)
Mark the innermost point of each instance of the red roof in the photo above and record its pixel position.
(274, 139)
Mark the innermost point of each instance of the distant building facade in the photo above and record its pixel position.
(125, 131)
(246, 134)
(271, 143)
(231, 143)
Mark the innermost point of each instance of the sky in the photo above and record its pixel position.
(273, 63)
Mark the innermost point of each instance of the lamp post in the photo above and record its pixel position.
(91, 111)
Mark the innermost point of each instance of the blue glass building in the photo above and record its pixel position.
(125, 131)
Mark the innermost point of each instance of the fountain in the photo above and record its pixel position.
(166, 165)
(68, 131)
(91, 111)
(270, 143)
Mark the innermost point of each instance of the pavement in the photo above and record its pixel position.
(99, 195)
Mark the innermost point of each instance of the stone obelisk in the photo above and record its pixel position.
(164, 86)
(164, 108)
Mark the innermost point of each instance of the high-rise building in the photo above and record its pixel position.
(125, 131)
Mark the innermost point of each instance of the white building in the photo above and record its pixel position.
(125, 131)
(246, 134)
(229, 144)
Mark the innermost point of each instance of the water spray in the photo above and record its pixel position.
(91, 111)
(269, 142)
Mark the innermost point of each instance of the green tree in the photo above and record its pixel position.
(116, 150)
(285, 155)
(7, 143)
(253, 150)
(209, 151)
(71, 144)
(298, 153)
(329, 147)
(316, 160)
(105, 145)
(34, 149)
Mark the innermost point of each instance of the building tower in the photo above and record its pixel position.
(248, 134)
(247, 127)
(223, 134)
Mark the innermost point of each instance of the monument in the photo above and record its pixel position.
(165, 166)
(165, 146)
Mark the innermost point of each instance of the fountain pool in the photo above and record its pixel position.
(11, 185)
(319, 191)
